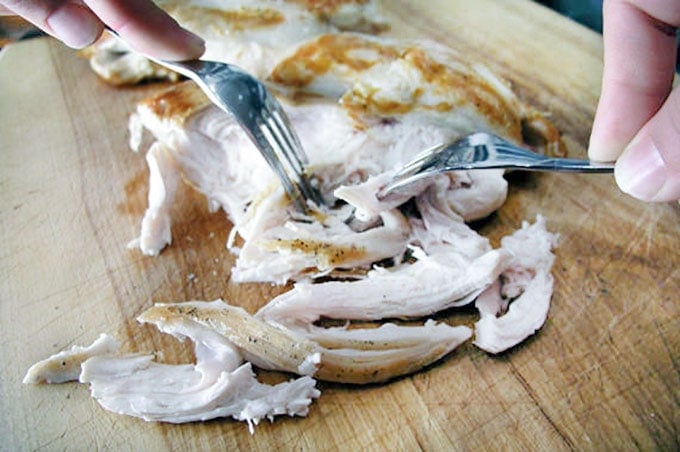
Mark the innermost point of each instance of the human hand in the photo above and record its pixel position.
(638, 117)
(78, 23)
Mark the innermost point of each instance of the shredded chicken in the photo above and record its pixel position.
(363, 106)
(65, 366)
(219, 384)
(527, 283)
(346, 147)
(430, 285)
(358, 356)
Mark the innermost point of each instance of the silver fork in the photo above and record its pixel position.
(483, 150)
(261, 117)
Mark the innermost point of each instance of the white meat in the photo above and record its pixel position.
(363, 107)
(163, 180)
(252, 34)
(527, 282)
(65, 365)
(431, 284)
(357, 355)
(287, 249)
(217, 385)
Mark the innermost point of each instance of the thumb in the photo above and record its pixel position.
(649, 168)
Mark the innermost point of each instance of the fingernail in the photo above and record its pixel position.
(72, 28)
(604, 151)
(192, 47)
(196, 44)
(641, 171)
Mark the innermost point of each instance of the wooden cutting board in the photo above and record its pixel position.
(602, 372)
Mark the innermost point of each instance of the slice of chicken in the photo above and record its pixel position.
(217, 385)
(265, 344)
(371, 355)
(65, 366)
(431, 284)
(526, 285)
(468, 194)
(163, 181)
(440, 226)
(287, 249)
(357, 356)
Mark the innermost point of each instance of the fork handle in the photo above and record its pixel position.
(509, 155)
(564, 165)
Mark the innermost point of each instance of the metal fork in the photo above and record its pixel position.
(483, 150)
(261, 117)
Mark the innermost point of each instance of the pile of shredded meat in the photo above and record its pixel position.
(363, 105)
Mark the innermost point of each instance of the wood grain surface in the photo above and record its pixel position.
(602, 373)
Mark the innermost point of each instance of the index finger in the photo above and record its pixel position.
(148, 29)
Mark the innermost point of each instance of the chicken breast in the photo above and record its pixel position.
(346, 145)
(251, 34)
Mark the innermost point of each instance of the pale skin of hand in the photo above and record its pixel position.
(637, 122)
(78, 23)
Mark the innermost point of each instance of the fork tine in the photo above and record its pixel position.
(289, 149)
(425, 164)
(270, 130)
(286, 128)
(422, 166)
(287, 154)
(295, 156)
(419, 161)
(264, 140)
